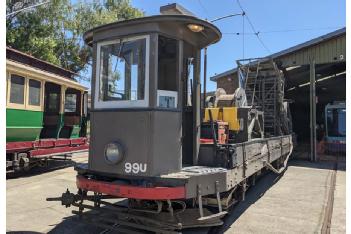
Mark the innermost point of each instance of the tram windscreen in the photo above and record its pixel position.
(122, 70)
(336, 122)
(167, 64)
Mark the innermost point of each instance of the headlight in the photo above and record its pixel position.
(113, 153)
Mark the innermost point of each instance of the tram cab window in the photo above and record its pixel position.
(17, 89)
(121, 67)
(34, 92)
(167, 72)
(189, 80)
(70, 102)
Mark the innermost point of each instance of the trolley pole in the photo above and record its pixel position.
(205, 54)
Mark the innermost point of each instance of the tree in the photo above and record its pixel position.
(53, 32)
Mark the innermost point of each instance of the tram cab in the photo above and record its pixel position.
(146, 94)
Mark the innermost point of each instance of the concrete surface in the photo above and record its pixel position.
(27, 210)
(293, 203)
(338, 221)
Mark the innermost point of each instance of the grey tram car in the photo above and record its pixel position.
(177, 166)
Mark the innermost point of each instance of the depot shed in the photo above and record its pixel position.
(315, 75)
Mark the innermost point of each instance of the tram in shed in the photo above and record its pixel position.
(46, 112)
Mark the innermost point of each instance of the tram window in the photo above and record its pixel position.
(71, 102)
(167, 63)
(17, 89)
(85, 107)
(122, 71)
(53, 102)
(34, 92)
(190, 75)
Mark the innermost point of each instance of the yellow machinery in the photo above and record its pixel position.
(230, 111)
(224, 107)
(225, 114)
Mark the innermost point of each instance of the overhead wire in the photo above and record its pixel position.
(253, 29)
(301, 29)
(203, 8)
(243, 33)
(283, 31)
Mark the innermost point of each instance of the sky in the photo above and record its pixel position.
(280, 23)
(300, 21)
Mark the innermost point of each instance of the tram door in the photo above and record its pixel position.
(189, 65)
(85, 116)
(71, 114)
(52, 120)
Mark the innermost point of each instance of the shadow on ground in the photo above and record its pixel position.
(52, 165)
(326, 163)
(74, 225)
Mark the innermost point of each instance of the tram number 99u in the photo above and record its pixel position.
(135, 168)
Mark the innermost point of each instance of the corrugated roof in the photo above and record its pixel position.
(290, 50)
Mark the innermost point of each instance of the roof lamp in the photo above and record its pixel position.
(195, 27)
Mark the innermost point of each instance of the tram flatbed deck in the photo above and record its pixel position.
(251, 157)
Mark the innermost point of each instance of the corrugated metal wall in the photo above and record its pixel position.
(333, 50)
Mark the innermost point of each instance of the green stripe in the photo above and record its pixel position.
(23, 125)
(24, 118)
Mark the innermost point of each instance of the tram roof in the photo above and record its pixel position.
(30, 60)
(28, 63)
(173, 25)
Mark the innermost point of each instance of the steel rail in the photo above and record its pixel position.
(328, 212)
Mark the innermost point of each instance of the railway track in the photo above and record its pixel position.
(328, 213)
(108, 231)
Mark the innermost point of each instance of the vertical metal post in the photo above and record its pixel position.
(313, 110)
(205, 77)
(218, 196)
(196, 101)
(199, 197)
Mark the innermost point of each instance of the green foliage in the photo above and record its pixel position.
(53, 32)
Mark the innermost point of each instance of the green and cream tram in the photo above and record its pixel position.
(46, 111)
